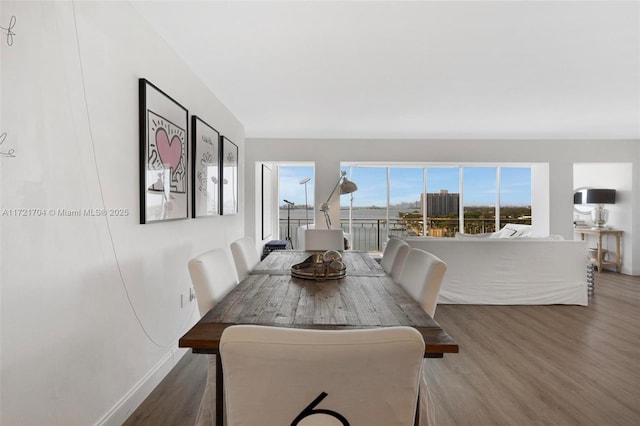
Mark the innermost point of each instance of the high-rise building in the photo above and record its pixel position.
(441, 203)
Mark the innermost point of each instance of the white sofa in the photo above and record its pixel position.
(510, 271)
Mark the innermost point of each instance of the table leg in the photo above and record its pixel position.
(618, 262)
(219, 392)
(599, 260)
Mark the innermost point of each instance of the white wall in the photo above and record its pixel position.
(90, 313)
(616, 176)
(540, 199)
(635, 217)
(558, 155)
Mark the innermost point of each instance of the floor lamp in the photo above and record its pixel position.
(346, 187)
(306, 203)
(289, 204)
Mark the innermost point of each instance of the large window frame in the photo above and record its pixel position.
(460, 166)
(300, 193)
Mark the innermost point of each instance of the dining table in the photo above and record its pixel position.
(365, 297)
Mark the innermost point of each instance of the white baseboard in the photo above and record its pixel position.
(132, 400)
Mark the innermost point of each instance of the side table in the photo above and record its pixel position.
(599, 261)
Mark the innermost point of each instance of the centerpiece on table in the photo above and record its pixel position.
(321, 267)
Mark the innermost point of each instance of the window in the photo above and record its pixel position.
(406, 186)
(300, 195)
(364, 213)
(479, 189)
(399, 200)
(515, 195)
(443, 201)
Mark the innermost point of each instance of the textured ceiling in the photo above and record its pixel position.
(420, 69)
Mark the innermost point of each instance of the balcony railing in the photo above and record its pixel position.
(371, 234)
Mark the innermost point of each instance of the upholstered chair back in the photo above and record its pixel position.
(213, 276)
(275, 376)
(394, 256)
(245, 256)
(422, 276)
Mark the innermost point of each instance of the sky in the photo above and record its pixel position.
(407, 184)
(290, 187)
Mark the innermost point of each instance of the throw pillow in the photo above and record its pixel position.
(511, 230)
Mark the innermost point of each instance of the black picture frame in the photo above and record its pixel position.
(205, 169)
(164, 155)
(228, 176)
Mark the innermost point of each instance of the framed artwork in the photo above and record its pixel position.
(266, 202)
(228, 176)
(205, 169)
(163, 155)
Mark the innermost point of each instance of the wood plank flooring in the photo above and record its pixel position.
(518, 365)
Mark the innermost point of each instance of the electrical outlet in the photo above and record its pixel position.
(183, 299)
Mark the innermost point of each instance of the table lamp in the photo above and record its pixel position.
(346, 187)
(599, 197)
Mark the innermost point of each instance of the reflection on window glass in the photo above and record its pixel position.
(479, 199)
(515, 195)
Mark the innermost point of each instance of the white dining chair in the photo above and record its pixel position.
(323, 239)
(422, 276)
(245, 256)
(212, 276)
(276, 376)
(300, 234)
(393, 257)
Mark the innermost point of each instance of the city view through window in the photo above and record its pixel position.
(407, 201)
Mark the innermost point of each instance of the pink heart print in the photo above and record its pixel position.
(170, 151)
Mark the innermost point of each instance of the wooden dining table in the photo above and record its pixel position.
(365, 298)
(358, 263)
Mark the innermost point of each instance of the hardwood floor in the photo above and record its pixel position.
(175, 401)
(518, 365)
(543, 365)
